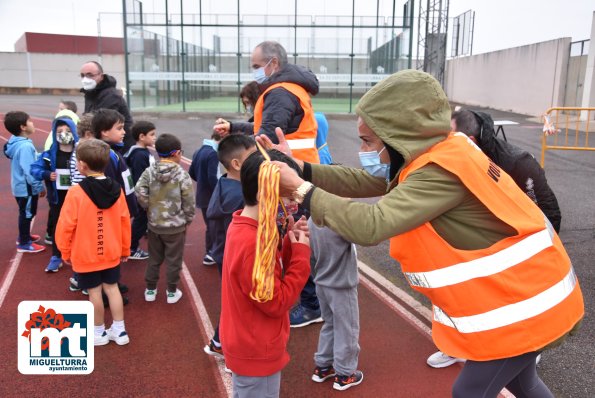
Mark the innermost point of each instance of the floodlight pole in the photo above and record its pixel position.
(126, 66)
(352, 55)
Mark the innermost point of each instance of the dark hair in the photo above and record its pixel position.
(70, 105)
(97, 64)
(250, 91)
(466, 122)
(95, 153)
(230, 147)
(249, 173)
(166, 144)
(216, 136)
(85, 124)
(14, 120)
(104, 120)
(141, 127)
(272, 49)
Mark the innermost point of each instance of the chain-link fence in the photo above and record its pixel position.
(199, 62)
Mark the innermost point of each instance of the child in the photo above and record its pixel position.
(93, 234)
(26, 189)
(53, 167)
(227, 198)
(138, 159)
(254, 334)
(165, 190)
(205, 171)
(336, 278)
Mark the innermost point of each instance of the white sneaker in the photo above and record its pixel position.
(150, 294)
(120, 338)
(538, 359)
(101, 340)
(173, 298)
(441, 360)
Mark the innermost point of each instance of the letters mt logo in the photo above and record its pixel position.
(55, 337)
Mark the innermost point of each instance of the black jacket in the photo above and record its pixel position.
(105, 95)
(282, 108)
(521, 166)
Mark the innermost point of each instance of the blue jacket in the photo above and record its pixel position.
(226, 199)
(117, 170)
(204, 169)
(46, 163)
(323, 152)
(138, 159)
(22, 154)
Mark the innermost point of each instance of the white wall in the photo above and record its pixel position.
(53, 70)
(527, 79)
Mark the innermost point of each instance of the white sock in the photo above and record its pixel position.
(99, 330)
(216, 343)
(118, 326)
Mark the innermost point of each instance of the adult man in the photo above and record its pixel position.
(518, 163)
(502, 286)
(100, 92)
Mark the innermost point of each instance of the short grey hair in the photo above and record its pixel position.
(272, 49)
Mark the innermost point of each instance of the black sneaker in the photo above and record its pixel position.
(208, 260)
(138, 254)
(213, 350)
(344, 382)
(123, 288)
(323, 374)
(74, 285)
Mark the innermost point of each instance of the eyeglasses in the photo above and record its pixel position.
(89, 75)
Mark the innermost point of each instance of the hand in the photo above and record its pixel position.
(301, 237)
(222, 127)
(53, 176)
(42, 194)
(124, 259)
(289, 180)
(300, 225)
(282, 146)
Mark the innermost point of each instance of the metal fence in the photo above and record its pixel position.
(198, 61)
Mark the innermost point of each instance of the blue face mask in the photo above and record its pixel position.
(371, 163)
(260, 75)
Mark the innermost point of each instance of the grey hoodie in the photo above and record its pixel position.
(165, 191)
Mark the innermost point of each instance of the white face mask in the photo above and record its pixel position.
(88, 83)
(260, 75)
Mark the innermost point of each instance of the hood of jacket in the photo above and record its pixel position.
(227, 198)
(297, 74)
(167, 171)
(107, 82)
(132, 149)
(103, 192)
(409, 112)
(10, 148)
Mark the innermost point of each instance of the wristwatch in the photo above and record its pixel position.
(300, 193)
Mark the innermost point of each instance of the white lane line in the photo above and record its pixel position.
(12, 270)
(205, 321)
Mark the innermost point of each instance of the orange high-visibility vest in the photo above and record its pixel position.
(513, 297)
(303, 141)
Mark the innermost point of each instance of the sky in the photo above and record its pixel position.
(498, 24)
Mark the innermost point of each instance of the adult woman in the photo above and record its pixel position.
(501, 284)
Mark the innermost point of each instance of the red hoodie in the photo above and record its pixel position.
(254, 335)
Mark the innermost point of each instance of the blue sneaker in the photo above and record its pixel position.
(30, 248)
(301, 316)
(54, 265)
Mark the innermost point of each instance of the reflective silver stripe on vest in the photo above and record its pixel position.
(303, 143)
(484, 266)
(511, 313)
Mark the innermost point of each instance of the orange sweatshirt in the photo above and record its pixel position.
(93, 238)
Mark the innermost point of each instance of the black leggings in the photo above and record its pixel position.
(487, 379)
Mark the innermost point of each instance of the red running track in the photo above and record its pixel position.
(165, 357)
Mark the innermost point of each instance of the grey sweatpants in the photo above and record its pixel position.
(168, 247)
(338, 342)
(256, 387)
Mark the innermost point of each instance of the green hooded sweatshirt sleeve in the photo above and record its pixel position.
(410, 113)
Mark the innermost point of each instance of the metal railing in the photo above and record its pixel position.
(567, 129)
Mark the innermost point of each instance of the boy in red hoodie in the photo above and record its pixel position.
(254, 334)
(93, 234)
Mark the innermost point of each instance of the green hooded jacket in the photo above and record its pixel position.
(410, 113)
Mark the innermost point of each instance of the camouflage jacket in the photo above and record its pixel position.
(165, 191)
